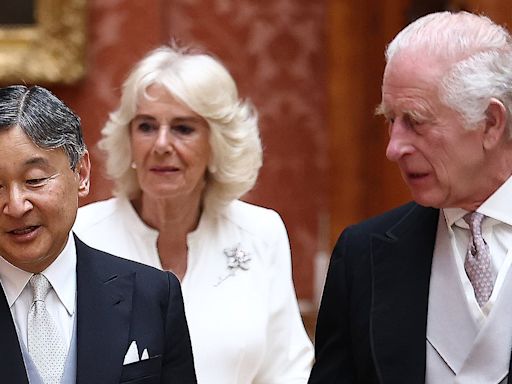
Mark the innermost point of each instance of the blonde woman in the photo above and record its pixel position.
(182, 148)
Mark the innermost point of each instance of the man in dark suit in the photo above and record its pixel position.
(70, 313)
(422, 293)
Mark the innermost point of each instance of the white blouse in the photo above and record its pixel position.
(240, 302)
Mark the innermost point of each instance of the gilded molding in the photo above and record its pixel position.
(50, 52)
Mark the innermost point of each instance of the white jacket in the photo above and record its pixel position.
(244, 320)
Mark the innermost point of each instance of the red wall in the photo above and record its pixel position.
(275, 49)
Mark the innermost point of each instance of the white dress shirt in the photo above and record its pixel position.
(245, 327)
(60, 301)
(496, 231)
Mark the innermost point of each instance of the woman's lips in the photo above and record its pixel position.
(164, 169)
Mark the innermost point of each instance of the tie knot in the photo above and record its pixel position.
(40, 286)
(474, 220)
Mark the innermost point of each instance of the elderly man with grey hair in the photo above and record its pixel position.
(70, 313)
(421, 294)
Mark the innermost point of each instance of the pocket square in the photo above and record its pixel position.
(132, 355)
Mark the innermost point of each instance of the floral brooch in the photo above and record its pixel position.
(237, 259)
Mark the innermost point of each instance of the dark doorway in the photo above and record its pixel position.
(18, 12)
(419, 8)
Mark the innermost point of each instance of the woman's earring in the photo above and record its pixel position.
(133, 165)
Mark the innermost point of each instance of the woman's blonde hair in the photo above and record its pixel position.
(205, 86)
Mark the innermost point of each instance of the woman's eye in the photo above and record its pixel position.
(183, 129)
(146, 127)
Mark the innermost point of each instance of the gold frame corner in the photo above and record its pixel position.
(52, 51)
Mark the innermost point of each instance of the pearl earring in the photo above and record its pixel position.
(133, 165)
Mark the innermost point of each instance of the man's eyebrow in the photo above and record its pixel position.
(37, 160)
(381, 109)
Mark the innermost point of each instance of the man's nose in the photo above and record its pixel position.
(399, 143)
(17, 203)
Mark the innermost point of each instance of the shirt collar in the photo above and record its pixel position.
(453, 215)
(498, 207)
(499, 204)
(13, 280)
(61, 274)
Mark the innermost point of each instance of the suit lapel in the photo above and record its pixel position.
(12, 367)
(401, 263)
(104, 304)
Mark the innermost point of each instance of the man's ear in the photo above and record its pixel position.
(495, 124)
(83, 169)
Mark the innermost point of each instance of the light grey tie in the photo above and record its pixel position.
(45, 344)
(478, 260)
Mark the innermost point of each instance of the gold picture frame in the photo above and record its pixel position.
(51, 51)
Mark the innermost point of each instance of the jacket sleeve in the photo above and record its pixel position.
(289, 352)
(178, 362)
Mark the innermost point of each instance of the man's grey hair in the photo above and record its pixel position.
(481, 55)
(44, 118)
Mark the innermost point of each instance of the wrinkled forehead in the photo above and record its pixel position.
(411, 82)
(412, 63)
(412, 70)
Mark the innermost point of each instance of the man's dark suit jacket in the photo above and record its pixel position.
(118, 301)
(372, 321)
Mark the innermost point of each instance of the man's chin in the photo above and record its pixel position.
(427, 200)
(28, 262)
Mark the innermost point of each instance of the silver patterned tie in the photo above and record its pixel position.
(478, 260)
(45, 345)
